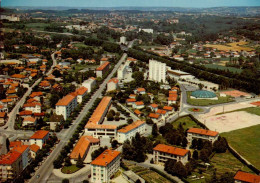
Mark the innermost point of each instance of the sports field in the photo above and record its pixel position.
(236, 46)
(247, 142)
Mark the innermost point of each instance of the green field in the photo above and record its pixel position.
(80, 45)
(186, 122)
(231, 69)
(206, 102)
(38, 26)
(69, 169)
(246, 141)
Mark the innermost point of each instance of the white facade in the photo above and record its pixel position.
(123, 40)
(123, 135)
(157, 71)
(100, 131)
(39, 142)
(65, 110)
(89, 84)
(191, 136)
(177, 74)
(146, 30)
(111, 86)
(121, 72)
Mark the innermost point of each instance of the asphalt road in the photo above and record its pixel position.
(46, 168)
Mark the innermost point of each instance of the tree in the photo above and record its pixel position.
(138, 76)
(152, 161)
(129, 121)
(169, 166)
(204, 155)
(7, 143)
(114, 143)
(79, 163)
(194, 143)
(220, 145)
(138, 181)
(195, 155)
(184, 142)
(180, 170)
(67, 161)
(110, 117)
(155, 130)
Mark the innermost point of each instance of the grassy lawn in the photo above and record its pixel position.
(206, 102)
(80, 45)
(247, 142)
(69, 169)
(186, 121)
(38, 26)
(231, 69)
(148, 175)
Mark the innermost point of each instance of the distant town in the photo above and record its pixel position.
(130, 95)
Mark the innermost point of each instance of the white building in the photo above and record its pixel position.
(162, 152)
(177, 74)
(66, 105)
(112, 84)
(29, 121)
(121, 72)
(89, 84)
(157, 71)
(35, 107)
(100, 131)
(11, 18)
(129, 131)
(198, 133)
(80, 93)
(123, 40)
(105, 166)
(39, 138)
(146, 30)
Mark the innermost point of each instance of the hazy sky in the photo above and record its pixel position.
(116, 3)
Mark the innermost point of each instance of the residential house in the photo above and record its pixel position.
(162, 153)
(154, 107)
(244, 177)
(29, 121)
(112, 84)
(155, 117)
(130, 101)
(66, 105)
(80, 93)
(35, 107)
(89, 84)
(105, 166)
(198, 133)
(140, 91)
(102, 69)
(3, 117)
(34, 149)
(138, 105)
(39, 138)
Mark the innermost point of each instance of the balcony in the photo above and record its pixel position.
(9, 168)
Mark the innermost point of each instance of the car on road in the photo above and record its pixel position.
(38, 176)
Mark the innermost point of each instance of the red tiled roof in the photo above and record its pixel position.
(103, 66)
(153, 115)
(131, 126)
(34, 148)
(137, 112)
(154, 105)
(32, 104)
(168, 108)
(170, 150)
(65, 100)
(19, 76)
(160, 111)
(25, 113)
(139, 103)
(6, 100)
(40, 134)
(203, 132)
(97, 126)
(130, 100)
(173, 98)
(15, 143)
(140, 89)
(20, 149)
(81, 90)
(9, 158)
(31, 119)
(247, 177)
(45, 84)
(106, 158)
(36, 94)
(114, 80)
(2, 114)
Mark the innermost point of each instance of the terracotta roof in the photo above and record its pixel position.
(20, 149)
(40, 134)
(35, 148)
(15, 143)
(114, 80)
(106, 158)
(82, 146)
(9, 158)
(168, 108)
(132, 95)
(2, 114)
(140, 89)
(137, 112)
(31, 100)
(139, 103)
(104, 59)
(99, 111)
(170, 150)
(153, 115)
(130, 127)
(247, 177)
(97, 126)
(173, 98)
(31, 119)
(36, 94)
(65, 100)
(19, 76)
(25, 113)
(130, 100)
(160, 111)
(11, 91)
(203, 132)
(154, 105)
(131, 59)
(81, 90)
(32, 104)
(6, 100)
(45, 83)
(103, 66)
(12, 97)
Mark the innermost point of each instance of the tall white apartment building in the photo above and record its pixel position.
(105, 166)
(89, 84)
(66, 105)
(157, 71)
(129, 131)
(121, 72)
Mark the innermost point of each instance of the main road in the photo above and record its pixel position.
(12, 115)
(46, 168)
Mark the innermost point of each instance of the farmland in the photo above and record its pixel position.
(236, 46)
(220, 67)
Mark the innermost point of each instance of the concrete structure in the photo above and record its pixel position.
(121, 72)
(203, 94)
(35, 107)
(11, 18)
(146, 30)
(123, 40)
(157, 71)
(11, 166)
(163, 152)
(126, 133)
(39, 137)
(138, 105)
(29, 121)
(89, 84)
(198, 133)
(34, 149)
(25, 151)
(66, 105)
(177, 74)
(80, 93)
(244, 177)
(112, 84)
(132, 177)
(105, 166)
(82, 147)
(100, 131)
(102, 69)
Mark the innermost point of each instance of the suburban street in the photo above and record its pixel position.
(46, 168)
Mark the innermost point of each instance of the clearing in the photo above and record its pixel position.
(221, 67)
(236, 46)
(186, 122)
